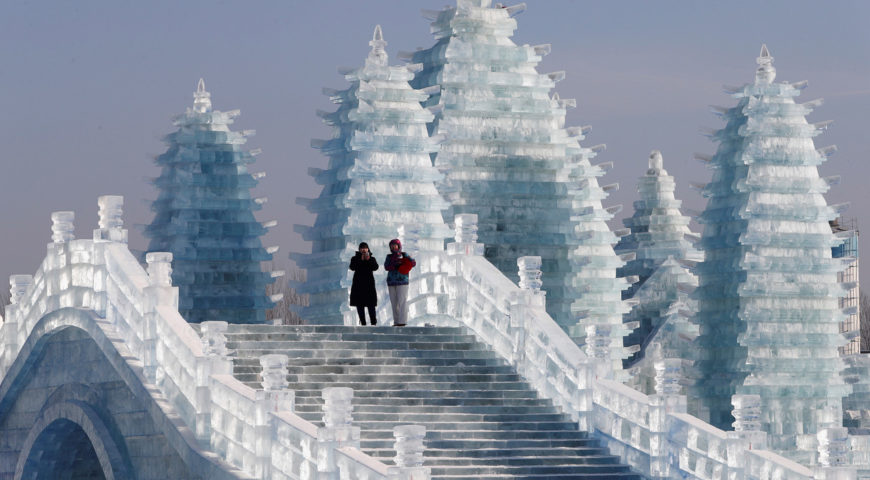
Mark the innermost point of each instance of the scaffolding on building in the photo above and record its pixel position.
(847, 229)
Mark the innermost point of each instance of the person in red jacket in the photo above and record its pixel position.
(398, 264)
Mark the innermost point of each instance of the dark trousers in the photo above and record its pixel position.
(361, 311)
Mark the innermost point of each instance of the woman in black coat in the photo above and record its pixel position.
(362, 292)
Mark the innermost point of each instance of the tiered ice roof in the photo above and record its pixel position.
(768, 314)
(663, 311)
(658, 230)
(508, 157)
(379, 178)
(598, 307)
(204, 215)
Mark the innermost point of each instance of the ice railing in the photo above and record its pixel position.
(652, 433)
(255, 431)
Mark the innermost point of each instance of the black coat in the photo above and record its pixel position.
(362, 291)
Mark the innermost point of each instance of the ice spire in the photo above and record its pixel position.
(379, 178)
(509, 158)
(767, 296)
(378, 56)
(765, 73)
(204, 216)
(201, 98)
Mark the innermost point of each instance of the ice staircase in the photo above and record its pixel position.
(483, 421)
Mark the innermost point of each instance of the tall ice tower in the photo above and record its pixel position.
(508, 157)
(204, 216)
(768, 291)
(379, 178)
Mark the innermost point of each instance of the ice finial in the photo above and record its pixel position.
(378, 55)
(765, 73)
(655, 160)
(201, 98)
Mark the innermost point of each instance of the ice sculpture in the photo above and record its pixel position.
(508, 158)
(658, 229)
(665, 330)
(768, 314)
(380, 178)
(204, 216)
(659, 232)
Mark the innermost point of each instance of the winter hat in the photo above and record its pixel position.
(397, 242)
(363, 245)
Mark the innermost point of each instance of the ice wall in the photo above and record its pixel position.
(204, 215)
(768, 314)
(379, 178)
(508, 158)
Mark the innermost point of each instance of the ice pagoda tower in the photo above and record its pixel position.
(508, 158)
(658, 229)
(380, 177)
(768, 314)
(204, 216)
(659, 233)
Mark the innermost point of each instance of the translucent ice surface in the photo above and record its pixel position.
(509, 158)
(379, 178)
(768, 314)
(204, 216)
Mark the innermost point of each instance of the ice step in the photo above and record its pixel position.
(305, 408)
(378, 379)
(253, 366)
(591, 454)
(345, 345)
(366, 353)
(528, 469)
(413, 393)
(457, 362)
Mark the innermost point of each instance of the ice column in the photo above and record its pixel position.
(768, 310)
(379, 177)
(337, 429)
(214, 342)
(62, 227)
(204, 216)
(509, 158)
(409, 453)
(111, 219)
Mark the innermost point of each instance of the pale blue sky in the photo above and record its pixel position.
(89, 89)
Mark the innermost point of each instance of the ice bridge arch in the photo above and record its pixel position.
(89, 418)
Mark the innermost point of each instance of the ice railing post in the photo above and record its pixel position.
(598, 349)
(273, 397)
(833, 455)
(409, 454)
(529, 296)
(18, 285)
(111, 229)
(666, 400)
(747, 434)
(465, 236)
(158, 292)
(337, 431)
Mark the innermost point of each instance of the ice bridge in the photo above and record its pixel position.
(100, 377)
